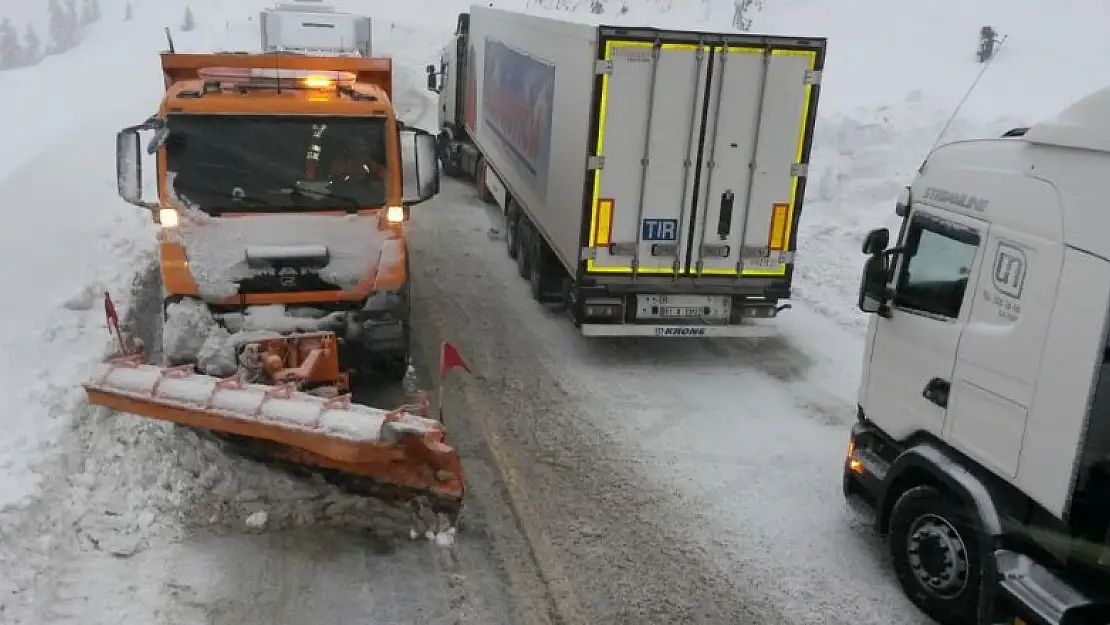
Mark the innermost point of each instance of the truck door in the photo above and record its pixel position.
(755, 142)
(650, 112)
(913, 352)
(681, 126)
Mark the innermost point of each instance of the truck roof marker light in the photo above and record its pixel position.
(272, 78)
(776, 237)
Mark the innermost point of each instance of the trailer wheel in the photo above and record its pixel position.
(524, 247)
(480, 181)
(512, 233)
(536, 267)
(934, 547)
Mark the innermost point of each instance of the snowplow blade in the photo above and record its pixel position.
(400, 450)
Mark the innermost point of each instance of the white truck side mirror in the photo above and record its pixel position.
(902, 206)
(873, 290)
(421, 169)
(433, 79)
(129, 163)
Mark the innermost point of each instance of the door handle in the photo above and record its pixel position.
(724, 216)
(936, 391)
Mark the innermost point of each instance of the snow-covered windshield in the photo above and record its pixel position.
(263, 163)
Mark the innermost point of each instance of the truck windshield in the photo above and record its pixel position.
(267, 163)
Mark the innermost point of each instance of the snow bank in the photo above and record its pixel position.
(69, 239)
(894, 76)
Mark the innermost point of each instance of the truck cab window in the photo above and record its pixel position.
(934, 278)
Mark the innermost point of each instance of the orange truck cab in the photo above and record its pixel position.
(284, 184)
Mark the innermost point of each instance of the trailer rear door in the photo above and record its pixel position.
(681, 127)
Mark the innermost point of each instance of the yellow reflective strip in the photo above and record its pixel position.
(596, 210)
(599, 149)
(812, 56)
(604, 222)
(781, 269)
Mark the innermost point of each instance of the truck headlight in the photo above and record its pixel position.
(168, 217)
(395, 214)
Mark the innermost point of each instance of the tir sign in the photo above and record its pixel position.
(660, 230)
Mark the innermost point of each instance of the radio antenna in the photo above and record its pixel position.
(959, 106)
(277, 71)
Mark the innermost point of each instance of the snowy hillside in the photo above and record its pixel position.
(757, 482)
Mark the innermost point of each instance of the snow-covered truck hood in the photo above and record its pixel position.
(217, 248)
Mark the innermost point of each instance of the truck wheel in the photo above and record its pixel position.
(934, 546)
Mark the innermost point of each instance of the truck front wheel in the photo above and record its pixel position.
(934, 546)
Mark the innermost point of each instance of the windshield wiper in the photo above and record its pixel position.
(318, 190)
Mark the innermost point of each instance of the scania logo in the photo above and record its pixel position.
(679, 331)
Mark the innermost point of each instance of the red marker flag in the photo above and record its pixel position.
(449, 358)
(110, 313)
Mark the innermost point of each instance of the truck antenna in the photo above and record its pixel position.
(964, 100)
(277, 70)
(169, 38)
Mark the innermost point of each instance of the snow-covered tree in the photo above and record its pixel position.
(32, 46)
(63, 25)
(128, 12)
(188, 23)
(86, 13)
(11, 52)
(596, 7)
(73, 19)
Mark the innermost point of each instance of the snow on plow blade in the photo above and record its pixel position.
(399, 448)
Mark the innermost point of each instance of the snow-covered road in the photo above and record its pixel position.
(619, 481)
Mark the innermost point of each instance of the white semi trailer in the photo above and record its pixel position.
(311, 27)
(983, 439)
(652, 180)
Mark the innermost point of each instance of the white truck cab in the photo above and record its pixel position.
(983, 440)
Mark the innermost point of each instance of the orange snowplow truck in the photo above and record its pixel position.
(282, 192)
(284, 183)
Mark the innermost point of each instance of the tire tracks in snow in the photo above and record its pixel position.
(617, 548)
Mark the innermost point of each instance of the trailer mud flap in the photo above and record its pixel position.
(681, 190)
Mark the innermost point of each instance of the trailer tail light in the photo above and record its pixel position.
(603, 234)
(776, 238)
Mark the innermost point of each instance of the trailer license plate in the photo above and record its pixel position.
(715, 307)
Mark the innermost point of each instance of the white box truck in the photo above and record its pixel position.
(982, 445)
(309, 27)
(651, 180)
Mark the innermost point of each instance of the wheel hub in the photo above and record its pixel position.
(937, 555)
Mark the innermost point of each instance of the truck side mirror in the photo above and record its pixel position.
(129, 168)
(876, 242)
(423, 183)
(902, 204)
(433, 79)
(873, 291)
